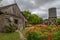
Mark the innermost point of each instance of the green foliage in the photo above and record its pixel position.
(32, 18)
(56, 35)
(40, 33)
(34, 35)
(10, 36)
(58, 20)
(10, 27)
(27, 14)
(35, 19)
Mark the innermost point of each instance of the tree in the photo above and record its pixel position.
(27, 14)
(32, 18)
(35, 19)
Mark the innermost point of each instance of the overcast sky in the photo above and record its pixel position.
(39, 7)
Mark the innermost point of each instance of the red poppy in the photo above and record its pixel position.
(51, 34)
(36, 28)
(48, 38)
(31, 30)
(58, 25)
(44, 39)
(41, 30)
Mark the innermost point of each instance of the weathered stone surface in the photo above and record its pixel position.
(11, 13)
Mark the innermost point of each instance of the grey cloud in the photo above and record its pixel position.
(41, 2)
(43, 15)
(27, 5)
(33, 5)
(6, 2)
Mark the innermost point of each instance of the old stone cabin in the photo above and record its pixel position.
(11, 13)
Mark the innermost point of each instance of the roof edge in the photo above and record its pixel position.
(2, 7)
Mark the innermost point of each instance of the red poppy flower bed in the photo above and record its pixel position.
(43, 32)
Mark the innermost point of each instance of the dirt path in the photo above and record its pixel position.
(22, 36)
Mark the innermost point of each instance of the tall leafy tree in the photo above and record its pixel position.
(32, 18)
(27, 14)
(35, 19)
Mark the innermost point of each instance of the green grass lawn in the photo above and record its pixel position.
(9, 36)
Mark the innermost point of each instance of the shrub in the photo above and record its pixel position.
(10, 27)
(34, 35)
(43, 33)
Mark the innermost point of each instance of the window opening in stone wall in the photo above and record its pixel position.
(15, 21)
(6, 12)
(1, 13)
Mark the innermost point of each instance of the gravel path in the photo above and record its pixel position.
(22, 36)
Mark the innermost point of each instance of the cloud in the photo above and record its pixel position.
(6, 2)
(35, 6)
(32, 4)
(44, 8)
(39, 7)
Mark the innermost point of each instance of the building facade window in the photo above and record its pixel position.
(15, 21)
(1, 13)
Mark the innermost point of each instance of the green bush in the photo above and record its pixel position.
(36, 35)
(56, 36)
(10, 27)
